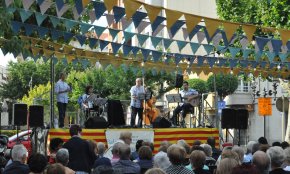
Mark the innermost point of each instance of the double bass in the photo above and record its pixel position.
(151, 112)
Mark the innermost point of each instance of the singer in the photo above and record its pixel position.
(62, 89)
(136, 103)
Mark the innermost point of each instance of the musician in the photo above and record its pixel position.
(185, 107)
(87, 105)
(136, 103)
(62, 89)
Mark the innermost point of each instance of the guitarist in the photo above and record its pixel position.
(187, 94)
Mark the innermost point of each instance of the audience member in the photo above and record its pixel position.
(240, 151)
(134, 154)
(101, 148)
(245, 169)
(126, 137)
(149, 144)
(55, 169)
(284, 144)
(215, 152)
(196, 147)
(226, 166)
(277, 157)
(155, 171)
(255, 147)
(197, 161)
(81, 156)
(164, 146)
(104, 169)
(19, 156)
(93, 148)
(184, 144)
(62, 157)
(261, 161)
(286, 163)
(276, 143)
(115, 152)
(176, 155)
(145, 158)
(209, 160)
(125, 165)
(262, 140)
(249, 156)
(37, 163)
(54, 145)
(161, 160)
(196, 143)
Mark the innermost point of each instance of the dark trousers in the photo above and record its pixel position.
(134, 112)
(61, 111)
(186, 108)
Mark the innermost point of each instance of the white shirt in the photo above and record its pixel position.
(61, 86)
(186, 93)
(135, 90)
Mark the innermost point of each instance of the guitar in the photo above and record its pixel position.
(193, 100)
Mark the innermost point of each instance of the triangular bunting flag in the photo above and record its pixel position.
(99, 30)
(54, 20)
(244, 42)
(27, 4)
(208, 48)
(110, 4)
(29, 29)
(253, 64)
(194, 47)
(99, 9)
(270, 55)
(258, 55)
(172, 16)
(60, 12)
(69, 24)
(115, 47)
(92, 16)
(40, 18)
(156, 55)
(285, 35)
(85, 27)
(233, 62)
(167, 43)
(145, 53)
(234, 51)
(110, 19)
(103, 44)
(261, 42)
(8, 2)
(155, 41)
(276, 45)
(200, 60)
(45, 6)
(119, 12)
(221, 62)
(152, 12)
(142, 38)
(79, 6)
(176, 26)
(85, 2)
(191, 22)
(194, 31)
(128, 36)
(270, 46)
(135, 50)
(24, 14)
(244, 63)
(157, 23)
(211, 61)
(211, 26)
(67, 36)
(230, 29)
(283, 56)
(249, 30)
(246, 53)
(142, 26)
(158, 29)
(138, 17)
(126, 50)
(131, 7)
(185, 33)
(125, 24)
(221, 49)
(16, 26)
(263, 64)
(178, 58)
(200, 37)
(92, 42)
(59, 4)
(42, 31)
(55, 34)
(181, 45)
(216, 39)
(113, 33)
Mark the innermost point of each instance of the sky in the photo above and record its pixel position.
(5, 59)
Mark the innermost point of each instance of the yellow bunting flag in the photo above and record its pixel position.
(59, 55)
(45, 44)
(230, 29)
(35, 51)
(93, 61)
(89, 53)
(211, 25)
(249, 30)
(57, 47)
(67, 49)
(86, 2)
(69, 58)
(47, 53)
(191, 21)
(172, 16)
(110, 4)
(285, 35)
(131, 7)
(152, 12)
(79, 52)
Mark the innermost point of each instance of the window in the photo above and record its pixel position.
(243, 86)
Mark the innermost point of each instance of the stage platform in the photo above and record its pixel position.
(109, 136)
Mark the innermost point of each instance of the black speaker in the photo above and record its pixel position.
(178, 80)
(161, 122)
(242, 116)
(115, 113)
(36, 116)
(228, 118)
(20, 114)
(96, 122)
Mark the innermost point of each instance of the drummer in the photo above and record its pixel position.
(87, 105)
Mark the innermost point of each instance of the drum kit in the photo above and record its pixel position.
(96, 106)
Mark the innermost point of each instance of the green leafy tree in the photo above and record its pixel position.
(198, 84)
(226, 84)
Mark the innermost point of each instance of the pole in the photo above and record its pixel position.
(51, 93)
(264, 126)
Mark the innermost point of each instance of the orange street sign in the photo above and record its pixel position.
(265, 106)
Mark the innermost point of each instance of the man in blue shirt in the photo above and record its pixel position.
(62, 89)
(136, 103)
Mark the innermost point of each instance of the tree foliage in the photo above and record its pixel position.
(198, 84)
(226, 84)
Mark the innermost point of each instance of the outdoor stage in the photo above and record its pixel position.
(109, 136)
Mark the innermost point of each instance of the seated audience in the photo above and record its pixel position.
(148, 143)
(226, 166)
(176, 155)
(19, 156)
(197, 161)
(286, 163)
(261, 161)
(155, 171)
(104, 169)
(245, 169)
(240, 151)
(284, 144)
(276, 143)
(115, 152)
(55, 169)
(262, 140)
(215, 152)
(55, 144)
(248, 155)
(209, 160)
(93, 148)
(161, 160)
(62, 157)
(145, 158)
(277, 157)
(134, 154)
(37, 163)
(255, 147)
(164, 146)
(101, 148)
(125, 165)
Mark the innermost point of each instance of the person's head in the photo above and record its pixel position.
(284, 144)
(196, 143)
(19, 153)
(185, 85)
(196, 147)
(226, 166)
(101, 148)
(138, 144)
(276, 143)
(264, 147)
(93, 146)
(176, 154)
(62, 156)
(287, 155)
(55, 169)
(211, 141)
(250, 146)
(248, 169)
(138, 81)
(262, 140)
(261, 160)
(155, 171)
(230, 154)
(161, 160)
(240, 151)
(116, 148)
(184, 144)
(145, 153)
(103, 169)
(75, 130)
(197, 159)
(126, 137)
(164, 146)
(148, 143)
(62, 76)
(89, 89)
(37, 163)
(207, 149)
(124, 152)
(255, 147)
(55, 144)
(276, 155)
